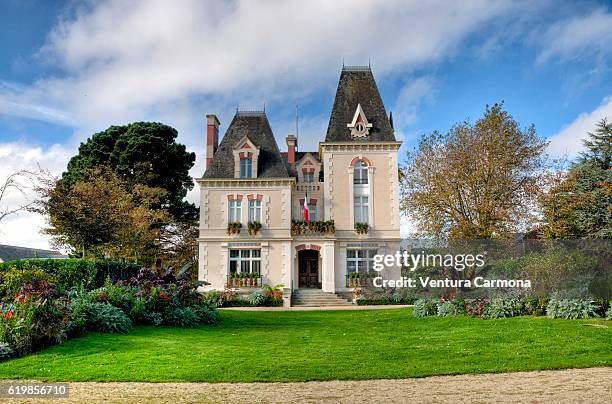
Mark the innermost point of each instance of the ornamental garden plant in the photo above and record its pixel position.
(51, 306)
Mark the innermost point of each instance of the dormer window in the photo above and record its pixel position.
(309, 177)
(246, 155)
(359, 127)
(246, 168)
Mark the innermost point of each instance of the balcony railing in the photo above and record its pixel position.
(308, 187)
(244, 280)
(359, 280)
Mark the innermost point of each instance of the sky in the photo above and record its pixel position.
(70, 69)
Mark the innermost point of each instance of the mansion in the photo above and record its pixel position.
(253, 197)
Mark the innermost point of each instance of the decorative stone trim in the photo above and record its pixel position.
(244, 182)
(259, 197)
(204, 196)
(301, 247)
(360, 146)
(362, 158)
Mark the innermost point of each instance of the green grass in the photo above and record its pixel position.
(299, 346)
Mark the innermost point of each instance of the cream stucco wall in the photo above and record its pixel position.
(280, 197)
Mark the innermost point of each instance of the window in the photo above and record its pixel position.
(308, 177)
(246, 168)
(312, 212)
(360, 260)
(360, 209)
(361, 173)
(254, 210)
(235, 210)
(244, 261)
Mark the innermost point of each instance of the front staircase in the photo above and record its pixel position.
(316, 298)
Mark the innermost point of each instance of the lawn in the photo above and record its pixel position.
(299, 346)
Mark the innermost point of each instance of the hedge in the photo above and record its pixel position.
(66, 273)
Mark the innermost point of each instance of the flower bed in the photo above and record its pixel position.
(504, 307)
(40, 314)
(269, 296)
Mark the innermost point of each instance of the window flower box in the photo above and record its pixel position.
(253, 228)
(300, 227)
(361, 228)
(233, 228)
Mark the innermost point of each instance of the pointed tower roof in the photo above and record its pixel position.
(358, 87)
(254, 126)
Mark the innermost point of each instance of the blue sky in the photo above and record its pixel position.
(69, 69)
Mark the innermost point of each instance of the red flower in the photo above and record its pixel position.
(8, 314)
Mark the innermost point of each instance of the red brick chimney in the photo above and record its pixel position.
(212, 137)
(291, 146)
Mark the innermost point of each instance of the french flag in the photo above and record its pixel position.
(306, 208)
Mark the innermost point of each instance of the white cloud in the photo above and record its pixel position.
(411, 98)
(568, 141)
(122, 59)
(174, 61)
(23, 229)
(577, 37)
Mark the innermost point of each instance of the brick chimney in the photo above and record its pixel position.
(212, 137)
(291, 146)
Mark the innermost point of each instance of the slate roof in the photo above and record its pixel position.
(11, 253)
(255, 125)
(357, 86)
(298, 157)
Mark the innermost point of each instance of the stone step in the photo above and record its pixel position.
(316, 297)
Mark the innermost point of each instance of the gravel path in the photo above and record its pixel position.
(592, 385)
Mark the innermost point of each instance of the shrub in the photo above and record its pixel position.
(571, 308)
(425, 307)
(105, 317)
(207, 314)
(257, 299)
(503, 307)
(138, 310)
(116, 294)
(476, 307)
(38, 317)
(609, 313)
(451, 308)
(184, 317)
(602, 305)
(5, 350)
(213, 298)
(68, 273)
(79, 309)
(153, 317)
(12, 279)
(115, 270)
(535, 306)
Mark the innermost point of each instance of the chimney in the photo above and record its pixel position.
(212, 137)
(291, 146)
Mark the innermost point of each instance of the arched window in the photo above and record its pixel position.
(360, 175)
(361, 192)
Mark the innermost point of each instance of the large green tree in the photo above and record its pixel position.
(476, 181)
(97, 217)
(579, 204)
(141, 153)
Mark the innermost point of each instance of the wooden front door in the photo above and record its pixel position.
(308, 266)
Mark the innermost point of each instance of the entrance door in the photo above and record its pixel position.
(308, 265)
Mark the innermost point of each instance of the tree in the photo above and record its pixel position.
(476, 181)
(18, 182)
(97, 217)
(579, 204)
(141, 153)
